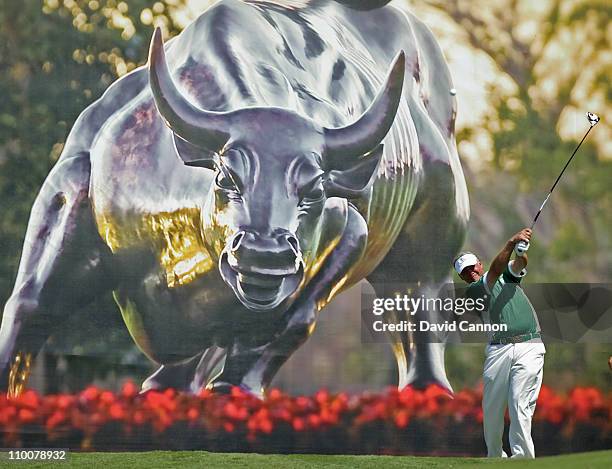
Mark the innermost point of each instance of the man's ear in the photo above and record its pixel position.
(352, 182)
(193, 155)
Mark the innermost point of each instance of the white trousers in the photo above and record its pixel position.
(512, 377)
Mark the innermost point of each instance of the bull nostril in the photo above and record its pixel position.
(293, 242)
(237, 240)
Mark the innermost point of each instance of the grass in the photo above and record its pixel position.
(188, 459)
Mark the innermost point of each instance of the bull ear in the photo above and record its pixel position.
(193, 155)
(352, 182)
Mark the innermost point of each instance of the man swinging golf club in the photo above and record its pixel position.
(515, 355)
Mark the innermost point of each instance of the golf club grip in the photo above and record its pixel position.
(521, 248)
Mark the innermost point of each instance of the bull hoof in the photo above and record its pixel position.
(222, 387)
(424, 384)
(152, 386)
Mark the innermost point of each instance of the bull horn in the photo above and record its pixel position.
(206, 129)
(368, 131)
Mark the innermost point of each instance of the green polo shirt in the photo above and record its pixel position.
(506, 303)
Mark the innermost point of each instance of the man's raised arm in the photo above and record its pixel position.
(500, 262)
(518, 264)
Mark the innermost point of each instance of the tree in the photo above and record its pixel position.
(554, 54)
(56, 58)
(552, 60)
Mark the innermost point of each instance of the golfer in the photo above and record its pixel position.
(514, 357)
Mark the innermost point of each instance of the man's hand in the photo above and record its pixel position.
(522, 246)
(501, 260)
(523, 235)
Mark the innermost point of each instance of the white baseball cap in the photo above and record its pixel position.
(464, 261)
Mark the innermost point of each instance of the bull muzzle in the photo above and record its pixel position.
(263, 271)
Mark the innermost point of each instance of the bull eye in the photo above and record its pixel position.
(317, 193)
(313, 196)
(223, 181)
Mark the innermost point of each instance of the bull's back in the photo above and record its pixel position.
(326, 62)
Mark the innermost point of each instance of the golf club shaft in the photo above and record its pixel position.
(559, 177)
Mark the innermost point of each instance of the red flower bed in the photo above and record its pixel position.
(395, 422)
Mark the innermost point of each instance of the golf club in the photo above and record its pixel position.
(593, 119)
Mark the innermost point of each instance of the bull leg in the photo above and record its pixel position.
(61, 269)
(421, 258)
(177, 376)
(189, 376)
(254, 368)
(419, 355)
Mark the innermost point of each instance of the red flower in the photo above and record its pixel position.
(138, 418)
(55, 419)
(7, 415)
(402, 418)
(116, 412)
(329, 417)
(303, 403)
(282, 414)
(64, 401)
(97, 419)
(129, 390)
(411, 398)
(340, 403)
(26, 416)
(314, 421)
(193, 413)
(90, 410)
(28, 399)
(90, 394)
(266, 425)
(322, 396)
(107, 397)
(233, 411)
(252, 424)
(298, 424)
(584, 401)
(550, 407)
(275, 394)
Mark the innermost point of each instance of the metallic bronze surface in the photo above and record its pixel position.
(19, 374)
(269, 157)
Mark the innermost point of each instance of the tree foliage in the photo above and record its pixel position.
(57, 57)
(555, 55)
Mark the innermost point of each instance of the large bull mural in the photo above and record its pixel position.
(269, 157)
